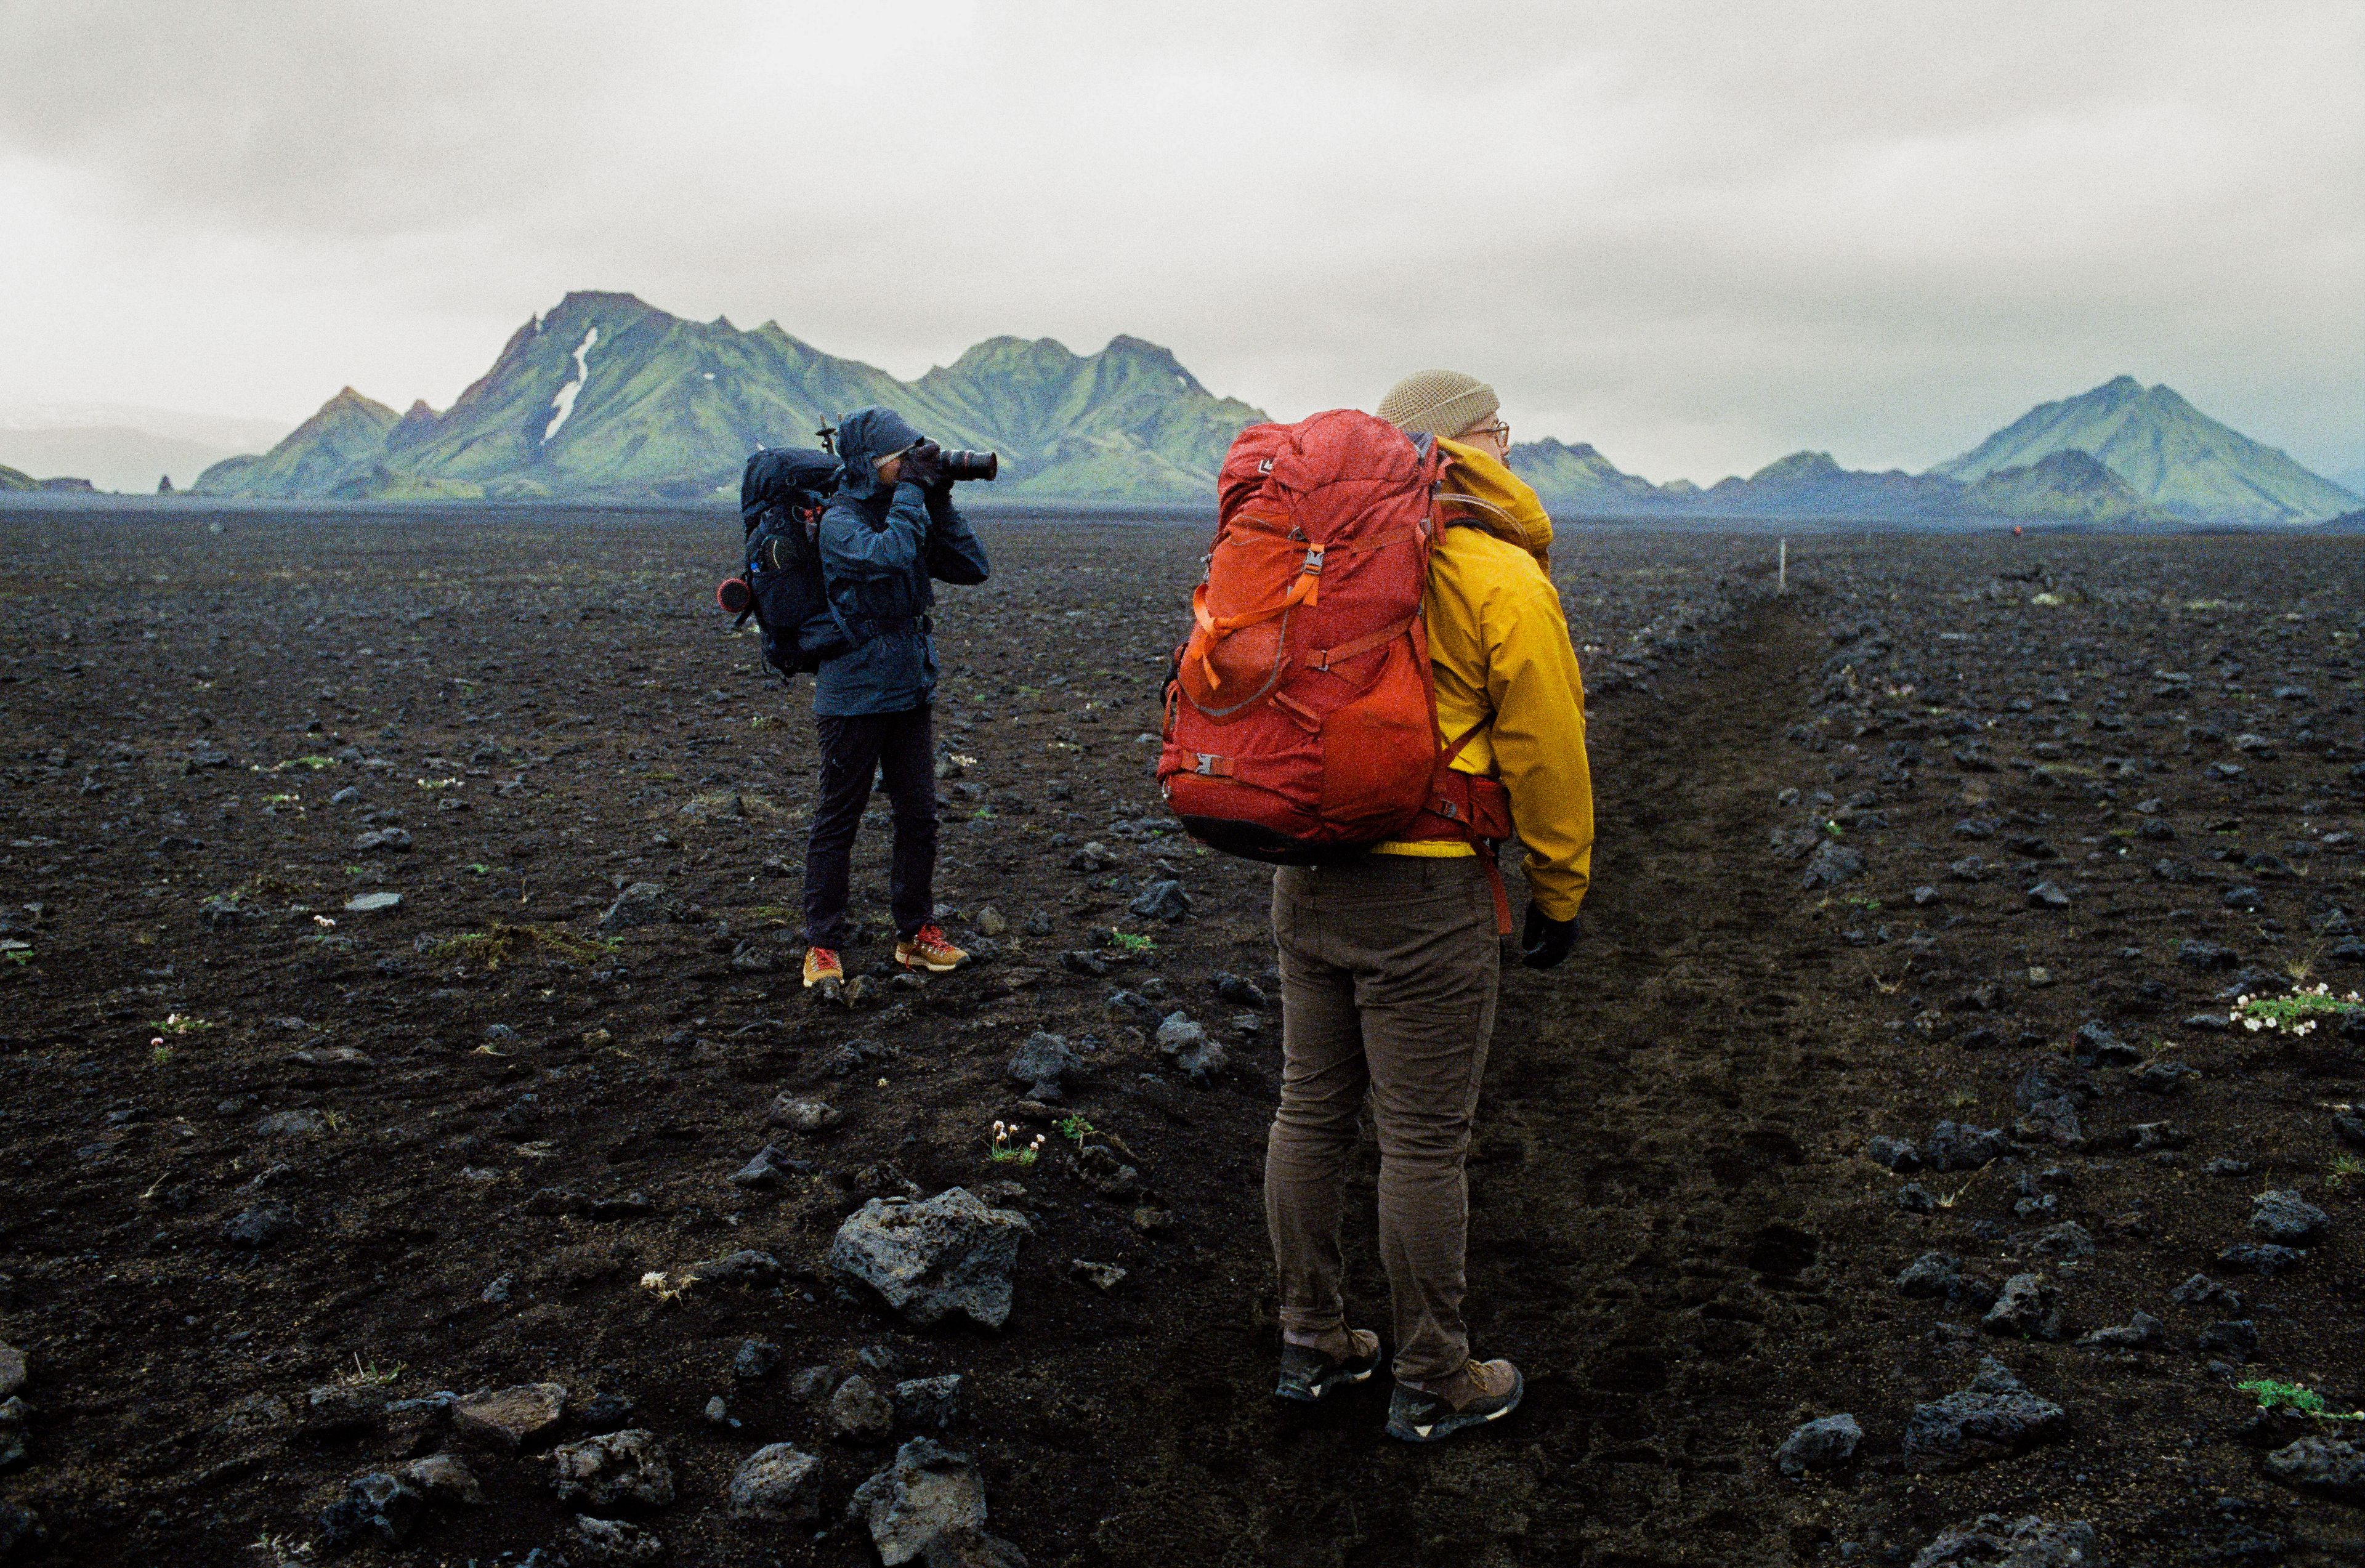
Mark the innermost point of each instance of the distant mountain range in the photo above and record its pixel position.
(2121, 454)
(607, 397)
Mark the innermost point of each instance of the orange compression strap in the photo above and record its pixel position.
(1323, 658)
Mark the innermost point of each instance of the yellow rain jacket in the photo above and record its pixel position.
(1499, 646)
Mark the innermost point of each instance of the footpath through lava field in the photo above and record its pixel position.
(401, 995)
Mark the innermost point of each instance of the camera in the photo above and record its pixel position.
(971, 464)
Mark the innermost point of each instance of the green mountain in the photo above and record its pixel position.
(2170, 453)
(1578, 479)
(608, 397)
(2068, 486)
(335, 446)
(10, 479)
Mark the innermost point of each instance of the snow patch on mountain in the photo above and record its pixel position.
(563, 404)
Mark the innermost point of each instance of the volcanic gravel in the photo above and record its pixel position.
(400, 995)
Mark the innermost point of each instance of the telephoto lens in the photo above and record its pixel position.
(971, 464)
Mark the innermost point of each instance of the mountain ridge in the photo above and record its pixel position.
(2170, 454)
(607, 396)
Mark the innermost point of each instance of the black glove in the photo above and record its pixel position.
(1545, 942)
(924, 464)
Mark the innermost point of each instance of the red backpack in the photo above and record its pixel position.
(1301, 725)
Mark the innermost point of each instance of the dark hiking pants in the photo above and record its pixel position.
(853, 750)
(1388, 974)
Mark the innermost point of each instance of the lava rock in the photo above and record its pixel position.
(930, 1503)
(756, 1358)
(1993, 1418)
(2202, 1290)
(746, 1270)
(1163, 901)
(2261, 1257)
(509, 1418)
(2068, 1241)
(12, 1370)
(263, 1225)
(1932, 1275)
(1240, 992)
(928, 1403)
(1043, 1064)
(778, 1483)
(2048, 894)
(1826, 1443)
(803, 1116)
(1893, 1153)
(2235, 1339)
(2029, 1542)
(442, 1478)
(1831, 864)
(858, 1412)
(770, 1169)
(291, 1124)
(610, 1542)
(927, 1261)
(2096, 1046)
(2287, 1219)
(2324, 1465)
(1959, 1145)
(377, 1506)
(626, 1469)
(2028, 1307)
(2163, 1077)
(2197, 955)
(2137, 1331)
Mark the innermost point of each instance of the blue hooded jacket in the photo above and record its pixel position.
(879, 546)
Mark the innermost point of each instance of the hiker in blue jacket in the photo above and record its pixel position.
(890, 529)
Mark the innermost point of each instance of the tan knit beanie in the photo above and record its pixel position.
(1437, 402)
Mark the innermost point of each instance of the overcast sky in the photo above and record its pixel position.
(1698, 236)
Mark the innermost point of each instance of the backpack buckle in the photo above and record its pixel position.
(1313, 567)
(1213, 766)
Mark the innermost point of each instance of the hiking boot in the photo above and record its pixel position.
(1308, 1373)
(822, 968)
(927, 949)
(1480, 1392)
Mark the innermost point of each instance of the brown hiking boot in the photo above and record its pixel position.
(1481, 1392)
(927, 949)
(1309, 1372)
(822, 968)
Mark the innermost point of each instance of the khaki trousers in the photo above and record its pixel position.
(1389, 968)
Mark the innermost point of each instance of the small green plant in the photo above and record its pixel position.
(159, 1053)
(1001, 1152)
(1129, 943)
(368, 1375)
(2344, 1166)
(179, 1024)
(1075, 1129)
(2296, 1398)
(1859, 901)
(314, 763)
(2297, 1014)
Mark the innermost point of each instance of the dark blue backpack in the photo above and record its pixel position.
(780, 498)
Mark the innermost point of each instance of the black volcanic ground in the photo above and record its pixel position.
(435, 1149)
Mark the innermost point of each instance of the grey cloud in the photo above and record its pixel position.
(1696, 235)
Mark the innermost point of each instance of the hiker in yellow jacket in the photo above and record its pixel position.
(1390, 962)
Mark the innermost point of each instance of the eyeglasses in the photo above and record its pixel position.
(1499, 429)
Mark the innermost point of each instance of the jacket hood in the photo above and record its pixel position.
(865, 436)
(1495, 498)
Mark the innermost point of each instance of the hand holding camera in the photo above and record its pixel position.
(924, 464)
